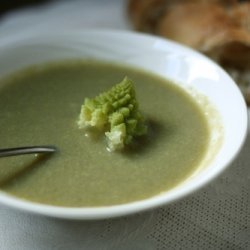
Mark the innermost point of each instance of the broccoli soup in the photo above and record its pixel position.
(41, 105)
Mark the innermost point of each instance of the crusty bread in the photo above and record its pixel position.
(217, 28)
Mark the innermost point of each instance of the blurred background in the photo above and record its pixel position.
(10, 5)
(20, 16)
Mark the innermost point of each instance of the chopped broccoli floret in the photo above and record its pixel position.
(116, 113)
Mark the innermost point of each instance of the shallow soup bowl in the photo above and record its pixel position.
(204, 80)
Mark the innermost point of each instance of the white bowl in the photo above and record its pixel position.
(168, 59)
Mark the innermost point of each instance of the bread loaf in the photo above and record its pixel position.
(218, 28)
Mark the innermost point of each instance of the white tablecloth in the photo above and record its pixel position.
(217, 217)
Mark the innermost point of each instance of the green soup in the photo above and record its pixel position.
(41, 105)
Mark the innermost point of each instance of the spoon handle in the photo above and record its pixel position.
(27, 150)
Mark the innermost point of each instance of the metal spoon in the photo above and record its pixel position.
(27, 150)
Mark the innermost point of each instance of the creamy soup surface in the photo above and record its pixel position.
(40, 106)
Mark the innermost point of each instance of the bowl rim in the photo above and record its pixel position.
(103, 212)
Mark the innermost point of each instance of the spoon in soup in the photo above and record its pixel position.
(27, 150)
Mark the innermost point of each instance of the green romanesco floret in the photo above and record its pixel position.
(116, 113)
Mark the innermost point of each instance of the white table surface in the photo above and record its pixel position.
(216, 217)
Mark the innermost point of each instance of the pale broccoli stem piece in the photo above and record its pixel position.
(116, 113)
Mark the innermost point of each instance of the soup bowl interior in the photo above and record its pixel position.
(170, 60)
